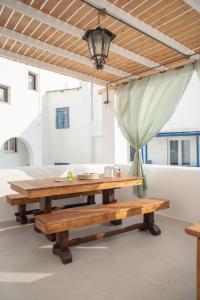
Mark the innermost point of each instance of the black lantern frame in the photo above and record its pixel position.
(99, 40)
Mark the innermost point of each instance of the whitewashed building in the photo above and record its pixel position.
(22, 95)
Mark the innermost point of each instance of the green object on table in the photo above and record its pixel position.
(70, 175)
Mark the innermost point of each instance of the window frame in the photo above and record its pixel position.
(35, 76)
(9, 142)
(65, 112)
(7, 93)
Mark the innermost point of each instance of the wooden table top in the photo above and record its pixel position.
(58, 186)
(193, 230)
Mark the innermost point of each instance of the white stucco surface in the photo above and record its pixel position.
(21, 117)
(178, 184)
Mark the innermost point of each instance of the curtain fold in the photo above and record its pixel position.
(197, 68)
(144, 106)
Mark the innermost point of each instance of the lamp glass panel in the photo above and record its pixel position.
(106, 44)
(90, 44)
(97, 39)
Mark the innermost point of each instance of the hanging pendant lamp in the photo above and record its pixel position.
(98, 41)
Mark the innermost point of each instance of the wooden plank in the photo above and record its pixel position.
(16, 199)
(59, 9)
(193, 230)
(5, 15)
(53, 186)
(97, 214)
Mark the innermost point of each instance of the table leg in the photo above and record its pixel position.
(45, 205)
(108, 197)
(21, 217)
(46, 208)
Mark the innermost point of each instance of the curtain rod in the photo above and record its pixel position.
(111, 85)
(154, 68)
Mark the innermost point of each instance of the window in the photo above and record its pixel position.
(11, 145)
(62, 117)
(180, 152)
(185, 149)
(174, 148)
(32, 81)
(3, 93)
(174, 152)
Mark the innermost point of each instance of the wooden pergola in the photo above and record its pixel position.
(151, 36)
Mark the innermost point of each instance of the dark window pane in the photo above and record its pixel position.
(31, 81)
(185, 148)
(3, 94)
(10, 145)
(62, 117)
(173, 152)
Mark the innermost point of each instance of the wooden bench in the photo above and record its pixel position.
(21, 201)
(60, 222)
(194, 230)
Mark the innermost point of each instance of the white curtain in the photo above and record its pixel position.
(144, 106)
(197, 68)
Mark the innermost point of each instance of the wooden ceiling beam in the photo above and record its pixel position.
(49, 67)
(56, 50)
(127, 18)
(73, 30)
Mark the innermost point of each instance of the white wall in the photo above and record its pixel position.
(22, 116)
(106, 143)
(186, 116)
(178, 184)
(74, 144)
(19, 158)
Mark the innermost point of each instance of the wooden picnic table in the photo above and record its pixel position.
(46, 188)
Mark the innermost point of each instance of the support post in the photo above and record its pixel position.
(150, 225)
(46, 208)
(91, 200)
(61, 247)
(108, 197)
(21, 216)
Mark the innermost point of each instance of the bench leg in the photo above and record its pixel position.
(150, 225)
(108, 198)
(91, 200)
(61, 247)
(21, 217)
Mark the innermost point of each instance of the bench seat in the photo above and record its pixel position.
(60, 222)
(21, 201)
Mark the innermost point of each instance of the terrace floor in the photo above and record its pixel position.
(134, 265)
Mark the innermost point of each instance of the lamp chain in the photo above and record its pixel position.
(99, 15)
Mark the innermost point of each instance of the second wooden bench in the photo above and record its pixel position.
(22, 201)
(60, 222)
